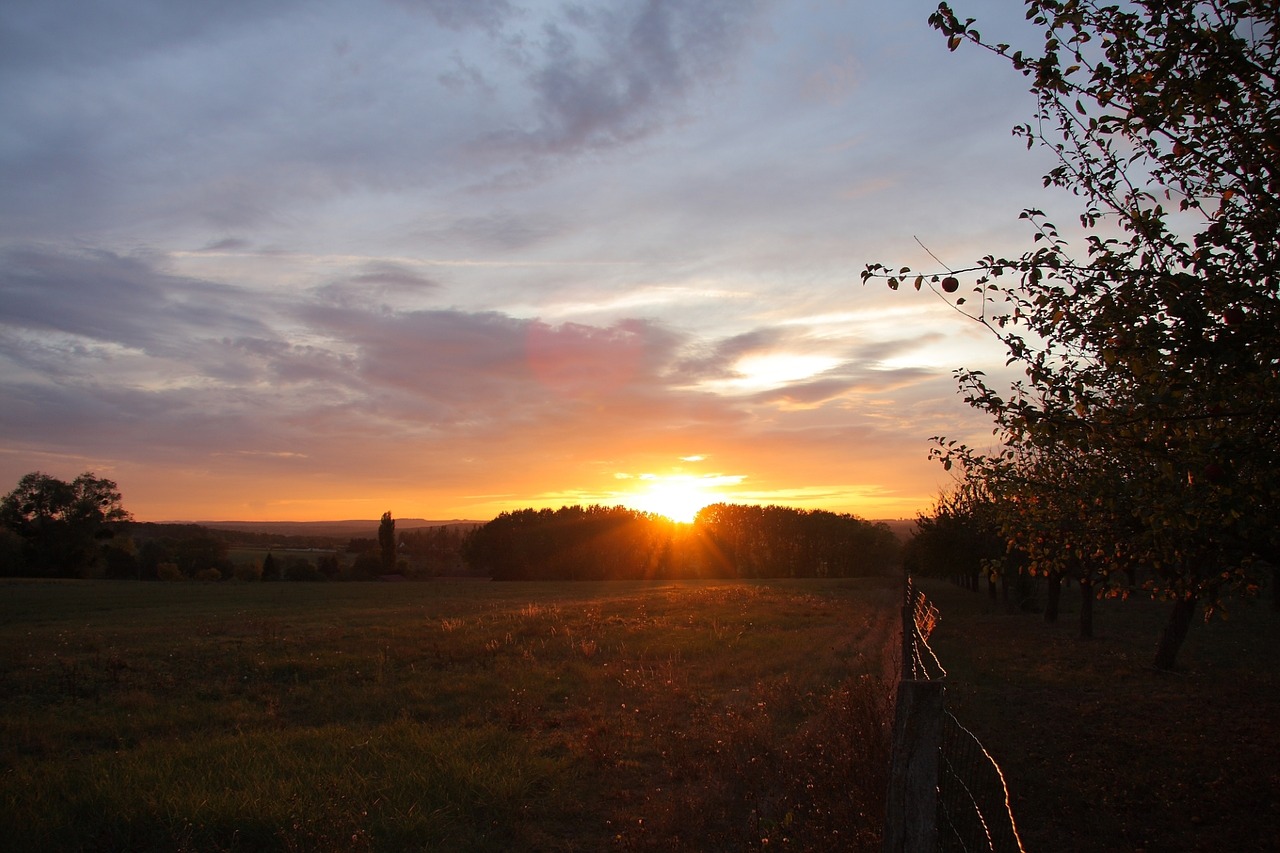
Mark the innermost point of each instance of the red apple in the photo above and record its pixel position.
(950, 284)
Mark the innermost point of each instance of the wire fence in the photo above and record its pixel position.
(964, 783)
(973, 799)
(920, 617)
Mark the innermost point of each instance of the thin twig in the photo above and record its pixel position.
(932, 255)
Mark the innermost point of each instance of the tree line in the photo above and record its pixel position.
(50, 528)
(80, 529)
(724, 541)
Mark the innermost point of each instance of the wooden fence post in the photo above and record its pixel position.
(911, 812)
(908, 630)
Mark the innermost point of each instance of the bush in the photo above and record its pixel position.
(247, 572)
(367, 566)
(169, 572)
(13, 558)
(300, 569)
(209, 574)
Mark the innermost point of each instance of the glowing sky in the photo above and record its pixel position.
(317, 260)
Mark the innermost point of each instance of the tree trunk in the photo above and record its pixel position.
(1175, 631)
(991, 586)
(1086, 608)
(1054, 597)
(1275, 587)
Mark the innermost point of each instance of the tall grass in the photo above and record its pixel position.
(461, 716)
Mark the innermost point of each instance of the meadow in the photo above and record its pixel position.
(462, 715)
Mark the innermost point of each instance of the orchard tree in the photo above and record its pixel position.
(63, 525)
(1056, 514)
(1148, 341)
(959, 537)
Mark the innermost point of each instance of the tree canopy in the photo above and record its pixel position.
(1145, 428)
(387, 542)
(725, 540)
(61, 524)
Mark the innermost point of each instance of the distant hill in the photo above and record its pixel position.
(353, 528)
(903, 528)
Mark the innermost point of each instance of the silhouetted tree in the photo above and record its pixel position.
(745, 540)
(595, 542)
(120, 559)
(438, 548)
(328, 566)
(1147, 343)
(13, 556)
(387, 543)
(367, 566)
(361, 545)
(299, 568)
(63, 524)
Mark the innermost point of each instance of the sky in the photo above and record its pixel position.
(446, 258)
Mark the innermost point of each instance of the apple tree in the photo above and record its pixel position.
(1146, 335)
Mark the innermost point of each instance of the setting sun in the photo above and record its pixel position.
(678, 498)
(518, 337)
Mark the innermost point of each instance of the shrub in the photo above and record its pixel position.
(169, 572)
(247, 572)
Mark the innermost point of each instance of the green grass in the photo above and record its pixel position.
(461, 716)
(1103, 752)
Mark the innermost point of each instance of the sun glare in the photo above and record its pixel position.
(677, 498)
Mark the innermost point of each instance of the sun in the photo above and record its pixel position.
(678, 498)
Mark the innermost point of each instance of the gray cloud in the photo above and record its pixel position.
(612, 76)
(498, 231)
(461, 14)
(462, 377)
(70, 34)
(108, 138)
(110, 298)
(715, 359)
(376, 283)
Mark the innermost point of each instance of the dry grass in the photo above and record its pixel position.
(461, 716)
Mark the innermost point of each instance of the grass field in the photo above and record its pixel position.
(459, 716)
(1101, 751)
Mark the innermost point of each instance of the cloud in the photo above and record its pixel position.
(605, 77)
(229, 120)
(716, 360)
(71, 34)
(463, 14)
(227, 244)
(482, 246)
(450, 367)
(342, 387)
(109, 298)
(501, 231)
(375, 283)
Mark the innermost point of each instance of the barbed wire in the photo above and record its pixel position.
(974, 812)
